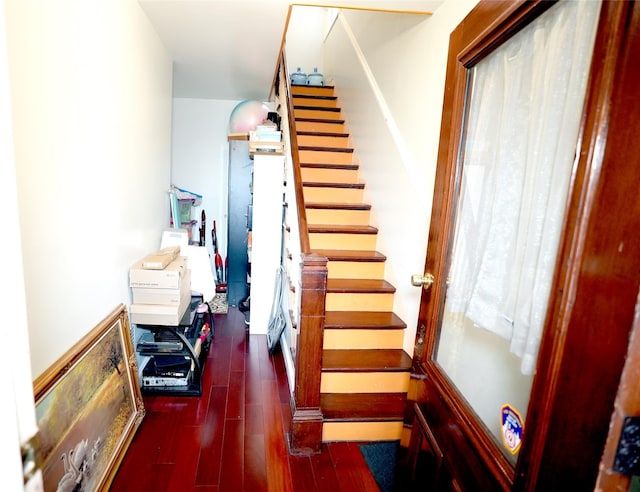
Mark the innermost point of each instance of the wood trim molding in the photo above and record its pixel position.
(307, 419)
(295, 158)
(565, 374)
(306, 431)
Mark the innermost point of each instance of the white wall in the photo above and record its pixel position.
(91, 96)
(389, 71)
(200, 160)
(305, 36)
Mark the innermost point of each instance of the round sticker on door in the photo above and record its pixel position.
(512, 427)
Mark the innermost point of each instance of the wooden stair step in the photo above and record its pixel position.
(362, 320)
(341, 229)
(353, 263)
(323, 134)
(314, 96)
(359, 186)
(327, 192)
(363, 406)
(372, 360)
(361, 286)
(329, 165)
(318, 139)
(316, 108)
(312, 89)
(363, 432)
(315, 100)
(326, 114)
(338, 172)
(320, 120)
(338, 206)
(351, 255)
(325, 149)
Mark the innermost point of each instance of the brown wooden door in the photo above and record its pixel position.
(593, 287)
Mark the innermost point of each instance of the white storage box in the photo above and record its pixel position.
(168, 278)
(150, 295)
(160, 314)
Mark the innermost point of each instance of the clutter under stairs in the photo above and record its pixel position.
(365, 371)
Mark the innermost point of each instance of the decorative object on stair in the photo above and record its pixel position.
(218, 303)
(381, 458)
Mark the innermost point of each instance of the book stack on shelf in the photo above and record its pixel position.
(266, 138)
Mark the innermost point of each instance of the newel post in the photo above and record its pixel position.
(306, 428)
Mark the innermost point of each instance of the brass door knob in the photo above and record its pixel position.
(425, 280)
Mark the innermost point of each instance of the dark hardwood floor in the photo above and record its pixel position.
(234, 437)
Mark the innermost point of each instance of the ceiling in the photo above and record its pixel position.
(227, 49)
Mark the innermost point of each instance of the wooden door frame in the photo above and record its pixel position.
(595, 284)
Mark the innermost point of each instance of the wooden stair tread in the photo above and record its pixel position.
(351, 255)
(315, 96)
(363, 320)
(363, 406)
(359, 286)
(338, 206)
(366, 360)
(316, 108)
(328, 165)
(320, 120)
(317, 148)
(314, 184)
(341, 229)
(323, 134)
(307, 86)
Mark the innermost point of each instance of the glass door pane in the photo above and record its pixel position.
(523, 111)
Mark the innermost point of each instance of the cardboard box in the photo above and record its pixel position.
(160, 260)
(151, 295)
(160, 314)
(168, 278)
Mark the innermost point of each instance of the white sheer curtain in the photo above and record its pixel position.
(523, 122)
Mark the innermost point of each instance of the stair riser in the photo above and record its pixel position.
(341, 217)
(332, 195)
(317, 113)
(348, 242)
(355, 269)
(325, 157)
(323, 141)
(364, 382)
(316, 126)
(318, 103)
(327, 175)
(314, 90)
(359, 302)
(363, 339)
(361, 431)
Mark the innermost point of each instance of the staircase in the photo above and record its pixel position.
(365, 371)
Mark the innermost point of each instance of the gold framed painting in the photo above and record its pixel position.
(88, 408)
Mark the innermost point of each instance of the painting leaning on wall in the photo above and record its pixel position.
(88, 408)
